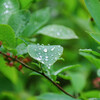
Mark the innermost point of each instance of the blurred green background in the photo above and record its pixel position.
(73, 14)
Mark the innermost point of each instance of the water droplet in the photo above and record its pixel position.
(42, 62)
(52, 48)
(45, 50)
(39, 48)
(6, 12)
(42, 44)
(48, 67)
(46, 57)
(39, 59)
(6, 6)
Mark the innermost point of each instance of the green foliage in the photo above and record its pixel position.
(92, 94)
(25, 3)
(58, 31)
(10, 73)
(96, 37)
(91, 57)
(55, 97)
(21, 49)
(47, 55)
(94, 9)
(78, 81)
(7, 7)
(65, 69)
(36, 21)
(7, 36)
(23, 17)
(24, 24)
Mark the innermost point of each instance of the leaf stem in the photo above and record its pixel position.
(41, 73)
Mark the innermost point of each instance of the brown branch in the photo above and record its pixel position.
(28, 67)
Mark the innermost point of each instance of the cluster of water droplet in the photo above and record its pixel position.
(8, 6)
(47, 54)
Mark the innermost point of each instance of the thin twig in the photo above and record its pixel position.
(28, 67)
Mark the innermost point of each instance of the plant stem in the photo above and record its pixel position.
(28, 67)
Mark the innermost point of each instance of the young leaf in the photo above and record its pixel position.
(58, 31)
(91, 58)
(7, 36)
(94, 9)
(36, 21)
(90, 51)
(7, 7)
(47, 55)
(19, 20)
(66, 68)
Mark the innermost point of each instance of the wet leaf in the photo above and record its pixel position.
(36, 22)
(58, 31)
(19, 20)
(47, 55)
(7, 7)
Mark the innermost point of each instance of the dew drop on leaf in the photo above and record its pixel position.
(45, 50)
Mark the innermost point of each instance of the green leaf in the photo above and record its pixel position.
(66, 69)
(51, 96)
(34, 73)
(25, 3)
(47, 55)
(19, 20)
(95, 36)
(58, 31)
(65, 76)
(90, 51)
(7, 7)
(36, 21)
(92, 94)
(94, 9)
(91, 58)
(21, 49)
(9, 72)
(78, 81)
(7, 36)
